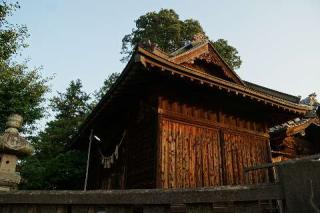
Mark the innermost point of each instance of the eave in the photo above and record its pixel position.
(151, 60)
(106, 99)
(235, 76)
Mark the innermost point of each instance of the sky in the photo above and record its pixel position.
(278, 40)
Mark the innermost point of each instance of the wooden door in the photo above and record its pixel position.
(189, 155)
(244, 150)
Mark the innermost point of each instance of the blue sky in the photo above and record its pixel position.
(278, 40)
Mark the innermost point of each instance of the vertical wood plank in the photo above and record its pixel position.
(159, 151)
(166, 155)
(201, 208)
(227, 165)
(211, 161)
(171, 158)
(240, 159)
(18, 209)
(192, 157)
(118, 209)
(4, 209)
(199, 180)
(234, 159)
(252, 158)
(156, 209)
(218, 158)
(186, 142)
(205, 166)
(60, 209)
(78, 209)
(179, 155)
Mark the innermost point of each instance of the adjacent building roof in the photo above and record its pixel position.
(312, 117)
(293, 126)
(284, 96)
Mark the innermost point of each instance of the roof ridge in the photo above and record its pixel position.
(234, 85)
(194, 44)
(298, 98)
(199, 44)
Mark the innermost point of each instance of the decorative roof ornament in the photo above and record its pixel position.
(311, 100)
(154, 48)
(199, 37)
(148, 45)
(12, 146)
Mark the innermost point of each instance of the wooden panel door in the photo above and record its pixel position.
(244, 150)
(189, 155)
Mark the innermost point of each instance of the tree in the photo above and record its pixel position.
(228, 53)
(163, 28)
(12, 37)
(55, 165)
(107, 84)
(21, 90)
(170, 33)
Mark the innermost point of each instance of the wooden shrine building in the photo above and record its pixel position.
(296, 138)
(182, 119)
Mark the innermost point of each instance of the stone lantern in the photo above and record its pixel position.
(12, 147)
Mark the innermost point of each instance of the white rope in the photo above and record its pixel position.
(107, 161)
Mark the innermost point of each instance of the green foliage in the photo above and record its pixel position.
(22, 91)
(12, 37)
(163, 28)
(55, 165)
(228, 53)
(64, 171)
(170, 33)
(107, 84)
(71, 104)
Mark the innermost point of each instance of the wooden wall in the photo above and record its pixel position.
(205, 144)
(244, 150)
(141, 148)
(135, 167)
(180, 135)
(189, 155)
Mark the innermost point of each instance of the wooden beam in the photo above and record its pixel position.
(145, 196)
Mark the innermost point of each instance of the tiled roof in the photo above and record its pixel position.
(312, 116)
(150, 59)
(160, 63)
(284, 96)
(289, 124)
(295, 125)
(258, 88)
(188, 47)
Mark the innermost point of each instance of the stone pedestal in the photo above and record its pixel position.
(301, 185)
(12, 147)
